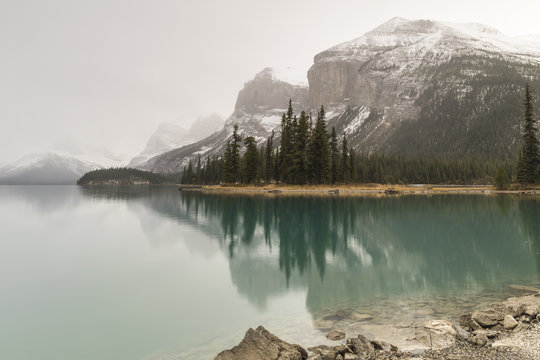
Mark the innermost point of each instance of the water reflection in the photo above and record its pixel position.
(346, 250)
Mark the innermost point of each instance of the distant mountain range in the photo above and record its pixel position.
(69, 161)
(169, 136)
(414, 87)
(49, 168)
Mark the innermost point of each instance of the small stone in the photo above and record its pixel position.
(339, 357)
(335, 334)
(323, 324)
(479, 339)
(509, 322)
(531, 311)
(349, 356)
(474, 325)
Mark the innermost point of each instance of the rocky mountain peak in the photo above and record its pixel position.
(271, 89)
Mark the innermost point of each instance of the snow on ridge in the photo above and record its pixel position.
(399, 32)
(287, 74)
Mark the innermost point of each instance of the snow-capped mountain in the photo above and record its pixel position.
(415, 87)
(89, 153)
(427, 88)
(259, 107)
(48, 168)
(170, 136)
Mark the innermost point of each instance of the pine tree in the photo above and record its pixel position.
(198, 172)
(268, 165)
(345, 164)
(529, 161)
(231, 169)
(251, 159)
(189, 175)
(501, 178)
(334, 157)
(300, 155)
(184, 176)
(288, 128)
(276, 165)
(228, 169)
(318, 151)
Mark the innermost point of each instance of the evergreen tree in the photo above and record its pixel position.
(198, 172)
(276, 165)
(318, 151)
(300, 154)
(184, 176)
(251, 159)
(345, 164)
(231, 170)
(189, 174)
(501, 178)
(334, 157)
(288, 134)
(529, 161)
(228, 170)
(268, 165)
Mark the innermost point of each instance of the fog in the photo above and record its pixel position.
(107, 73)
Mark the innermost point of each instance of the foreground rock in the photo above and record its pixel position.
(507, 314)
(507, 330)
(260, 344)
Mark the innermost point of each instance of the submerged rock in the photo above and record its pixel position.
(260, 344)
(335, 334)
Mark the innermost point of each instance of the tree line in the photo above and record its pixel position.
(308, 154)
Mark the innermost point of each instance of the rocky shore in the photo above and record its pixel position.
(502, 330)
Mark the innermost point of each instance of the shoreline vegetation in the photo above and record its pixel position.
(123, 176)
(503, 330)
(361, 189)
(306, 153)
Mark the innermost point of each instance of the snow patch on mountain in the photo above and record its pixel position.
(357, 122)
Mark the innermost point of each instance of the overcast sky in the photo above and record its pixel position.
(108, 72)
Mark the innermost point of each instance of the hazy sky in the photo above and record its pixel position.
(108, 72)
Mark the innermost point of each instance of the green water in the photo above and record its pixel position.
(154, 273)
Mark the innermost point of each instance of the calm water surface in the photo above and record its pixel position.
(154, 273)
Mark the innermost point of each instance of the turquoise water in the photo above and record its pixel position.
(154, 273)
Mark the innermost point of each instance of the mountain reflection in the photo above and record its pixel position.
(355, 249)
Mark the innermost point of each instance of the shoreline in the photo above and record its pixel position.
(508, 330)
(360, 190)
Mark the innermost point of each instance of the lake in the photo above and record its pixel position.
(155, 273)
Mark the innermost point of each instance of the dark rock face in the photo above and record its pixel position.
(260, 344)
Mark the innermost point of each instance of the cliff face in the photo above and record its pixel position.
(425, 88)
(272, 89)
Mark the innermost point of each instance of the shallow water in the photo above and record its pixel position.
(154, 273)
